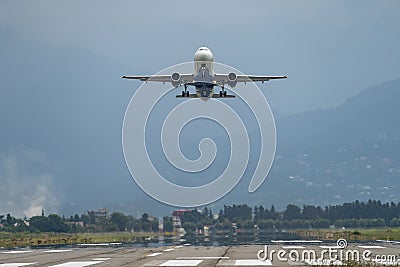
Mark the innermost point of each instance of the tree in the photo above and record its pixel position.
(292, 212)
(119, 220)
(167, 224)
(190, 227)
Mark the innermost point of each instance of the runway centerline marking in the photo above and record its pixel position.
(244, 263)
(181, 263)
(16, 264)
(168, 249)
(77, 264)
(57, 250)
(202, 258)
(154, 254)
(16, 251)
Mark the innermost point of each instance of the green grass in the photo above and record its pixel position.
(352, 234)
(38, 239)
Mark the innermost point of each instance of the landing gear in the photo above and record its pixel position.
(186, 92)
(223, 92)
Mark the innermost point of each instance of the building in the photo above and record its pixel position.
(177, 218)
(100, 214)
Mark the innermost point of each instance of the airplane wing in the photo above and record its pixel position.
(184, 78)
(223, 78)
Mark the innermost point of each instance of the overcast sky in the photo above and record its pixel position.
(330, 50)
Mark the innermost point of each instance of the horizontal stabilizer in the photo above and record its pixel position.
(227, 96)
(190, 96)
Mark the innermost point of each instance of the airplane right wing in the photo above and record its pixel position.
(232, 77)
(173, 78)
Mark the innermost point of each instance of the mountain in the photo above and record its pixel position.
(341, 154)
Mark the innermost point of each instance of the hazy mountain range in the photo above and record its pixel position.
(60, 141)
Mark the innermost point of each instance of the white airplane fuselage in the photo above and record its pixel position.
(204, 73)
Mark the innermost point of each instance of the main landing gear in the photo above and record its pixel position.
(223, 92)
(186, 92)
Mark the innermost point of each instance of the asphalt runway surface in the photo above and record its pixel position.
(188, 255)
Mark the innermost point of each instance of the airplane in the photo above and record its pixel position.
(203, 78)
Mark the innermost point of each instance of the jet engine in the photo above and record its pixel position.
(232, 79)
(176, 79)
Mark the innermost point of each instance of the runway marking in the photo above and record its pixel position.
(154, 254)
(296, 241)
(101, 259)
(244, 263)
(16, 251)
(57, 250)
(388, 241)
(337, 247)
(181, 263)
(178, 246)
(168, 249)
(77, 264)
(202, 258)
(371, 247)
(293, 247)
(324, 262)
(96, 244)
(15, 264)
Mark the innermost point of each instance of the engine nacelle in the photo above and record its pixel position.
(232, 79)
(176, 79)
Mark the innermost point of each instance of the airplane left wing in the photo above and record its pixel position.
(155, 78)
(182, 78)
(225, 78)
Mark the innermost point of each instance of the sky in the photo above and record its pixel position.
(63, 116)
(330, 50)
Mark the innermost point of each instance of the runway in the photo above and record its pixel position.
(185, 255)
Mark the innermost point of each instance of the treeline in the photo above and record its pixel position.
(350, 215)
(85, 223)
(370, 214)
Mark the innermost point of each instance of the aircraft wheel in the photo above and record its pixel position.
(220, 93)
(183, 93)
(224, 93)
(187, 93)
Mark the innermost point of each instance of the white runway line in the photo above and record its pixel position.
(324, 262)
(178, 246)
(93, 245)
(371, 247)
(57, 250)
(244, 263)
(332, 247)
(101, 259)
(154, 254)
(168, 249)
(181, 263)
(77, 264)
(15, 264)
(202, 258)
(16, 251)
(296, 241)
(293, 247)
